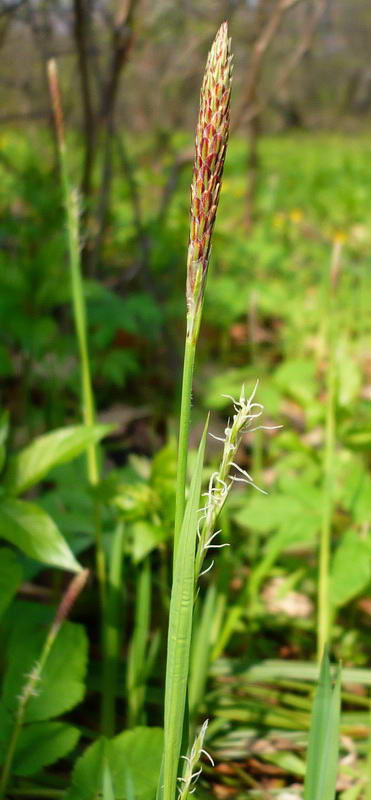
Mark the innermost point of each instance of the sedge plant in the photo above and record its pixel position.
(195, 526)
(108, 593)
(210, 148)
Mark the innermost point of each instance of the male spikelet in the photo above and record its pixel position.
(211, 143)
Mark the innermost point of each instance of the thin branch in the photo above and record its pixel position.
(260, 48)
(292, 63)
(81, 33)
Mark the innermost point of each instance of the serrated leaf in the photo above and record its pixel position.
(32, 463)
(10, 577)
(136, 753)
(31, 529)
(62, 684)
(351, 568)
(41, 744)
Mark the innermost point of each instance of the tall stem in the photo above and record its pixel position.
(324, 599)
(113, 629)
(88, 410)
(184, 425)
(71, 202)
(324, 610)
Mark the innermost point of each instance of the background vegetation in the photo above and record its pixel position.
(287, 302)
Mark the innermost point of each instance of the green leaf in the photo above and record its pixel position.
(201, 647)
(88, 773)
(129, 752)
(287, 761)
(145, 537)
(296, 379)
(180, 630)
(32, 463)
(62, 685)
(349, 375)
(10, 577)
(323, 746)
(41, 744)
(107, 789)
(29, 527)
(351, 568)
(135, 753)
(283, 511)
(358, 438)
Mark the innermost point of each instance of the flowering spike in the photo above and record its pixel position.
(211, 142)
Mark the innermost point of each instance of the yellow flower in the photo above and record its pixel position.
(296, 215)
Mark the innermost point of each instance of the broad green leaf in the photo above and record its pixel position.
(351, 568)
(62, 683)
(41, 744)
(283, 511)
(180, 630)
(107, 787)
(323, 746)
(349, 375)
(135, 753)
(356, 489)
(32, 463)
(10, 577)
(87, 775)
(29, 527)
(145, 537)
(296, 379)
(130, 752)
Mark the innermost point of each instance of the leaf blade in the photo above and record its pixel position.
(33, 462)
(30, 528)
(180, 630)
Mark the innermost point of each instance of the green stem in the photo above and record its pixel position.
(324, 599)
(184, 425)
(324, 610)
(27, 692)
(79, 312)
(88, 410)
(71, 202)
(113, 628)
(138, 652)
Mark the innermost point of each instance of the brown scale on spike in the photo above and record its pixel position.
(211, 143)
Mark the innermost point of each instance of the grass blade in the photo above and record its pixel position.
(323, 747)
(180, 630)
